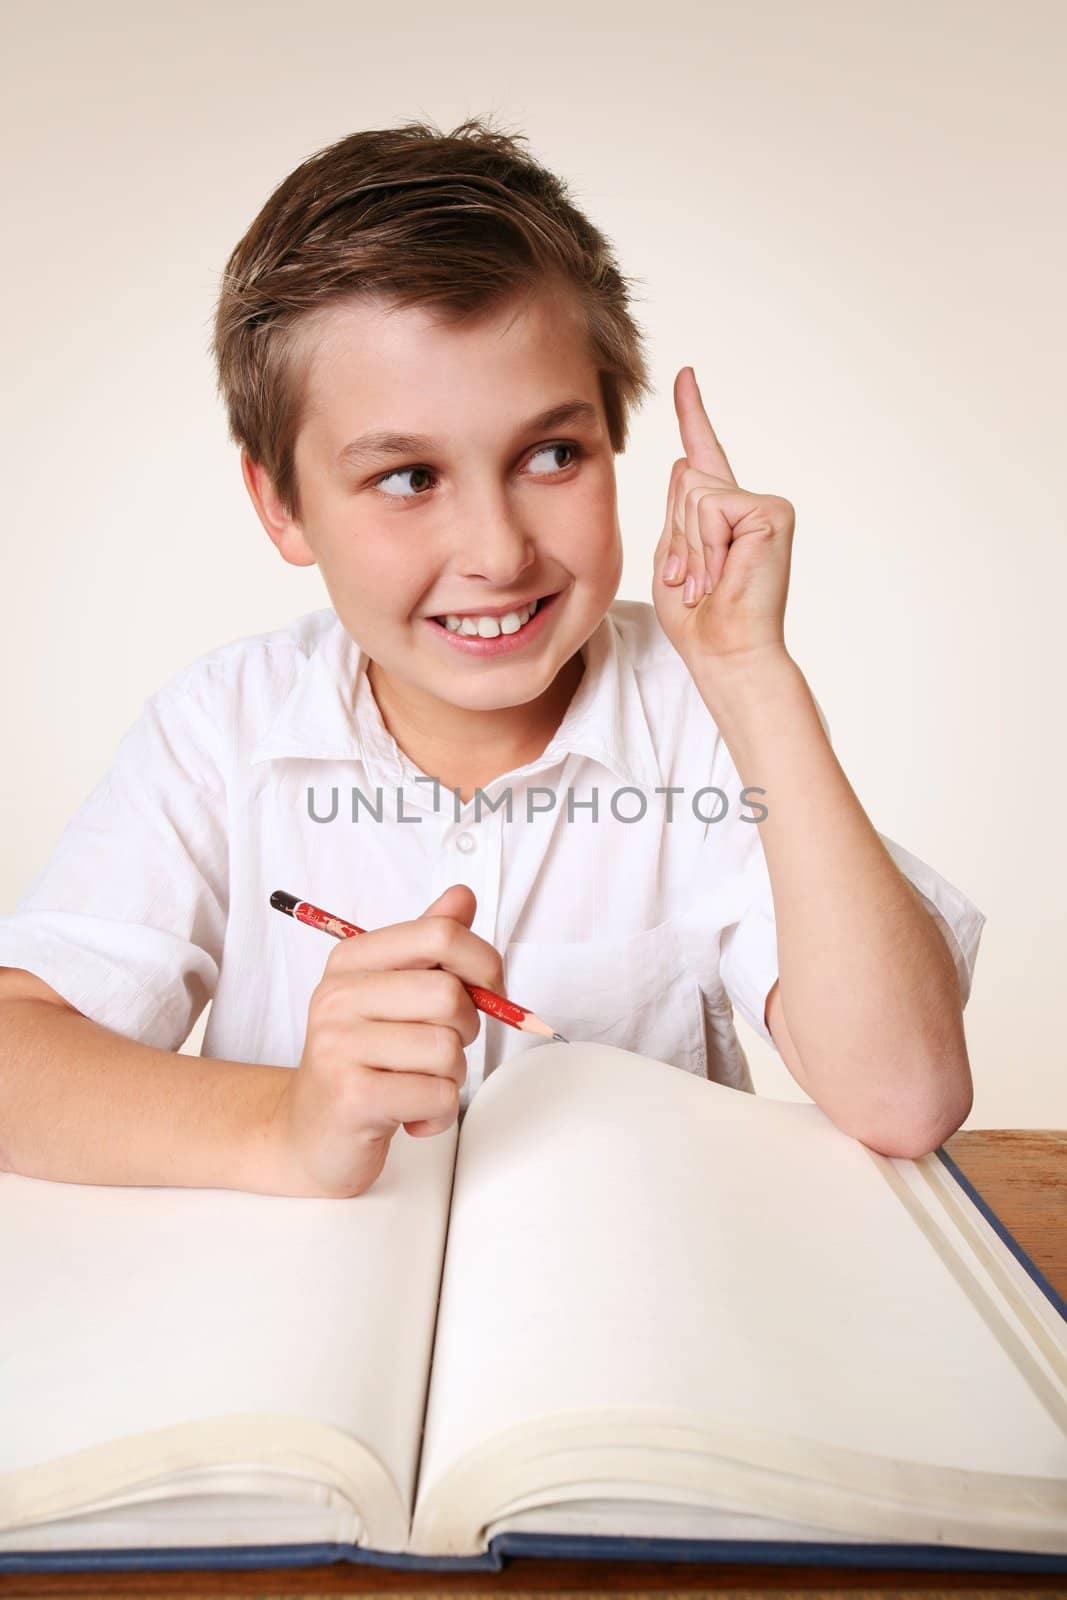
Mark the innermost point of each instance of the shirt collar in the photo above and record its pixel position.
(330, 714)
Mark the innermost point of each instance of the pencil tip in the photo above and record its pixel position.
(561, 1039)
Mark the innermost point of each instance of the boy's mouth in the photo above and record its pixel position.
(490, 626)
(491, 634)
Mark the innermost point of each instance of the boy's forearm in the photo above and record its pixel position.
(82, 1104)
(868, 985)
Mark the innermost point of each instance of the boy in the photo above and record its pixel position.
(428, 362)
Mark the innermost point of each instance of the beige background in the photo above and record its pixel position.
(844, 215)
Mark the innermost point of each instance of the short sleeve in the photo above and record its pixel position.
(961, 921)
(127, 919)
(749, 947)
(748, 960)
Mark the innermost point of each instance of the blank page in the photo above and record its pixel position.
(627, 1237)
(131, 1309)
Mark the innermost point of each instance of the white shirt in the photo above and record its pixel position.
(644, 933)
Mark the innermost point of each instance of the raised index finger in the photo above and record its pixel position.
(703, 450)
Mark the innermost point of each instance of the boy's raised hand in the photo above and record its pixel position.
(387, 1025)
(721, 567)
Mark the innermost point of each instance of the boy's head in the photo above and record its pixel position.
(443, 288)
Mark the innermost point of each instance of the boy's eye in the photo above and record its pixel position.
(554, 451)
(403, 472)
(424, 473)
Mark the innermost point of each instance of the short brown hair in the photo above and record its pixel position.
(461, 220)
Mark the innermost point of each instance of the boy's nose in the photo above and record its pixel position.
(497, 550)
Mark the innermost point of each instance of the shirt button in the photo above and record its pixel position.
(466, 842)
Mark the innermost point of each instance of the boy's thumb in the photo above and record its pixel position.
(457, 901)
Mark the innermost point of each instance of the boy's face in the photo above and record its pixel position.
(489, 510)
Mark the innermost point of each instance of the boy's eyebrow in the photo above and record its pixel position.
(372, 445)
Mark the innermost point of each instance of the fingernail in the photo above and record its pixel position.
(689, 594)
(707, 583)
(673, 569)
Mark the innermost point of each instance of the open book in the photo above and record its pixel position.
(619, 1311)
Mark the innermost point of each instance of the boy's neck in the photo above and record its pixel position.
(465, 749)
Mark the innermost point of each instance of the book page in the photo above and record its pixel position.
(130, 1310)
(626, 1238)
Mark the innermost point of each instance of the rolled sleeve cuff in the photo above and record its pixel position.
(141, 982)
(748, 967)
(962, 918)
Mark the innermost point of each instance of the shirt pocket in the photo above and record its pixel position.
(633, 992)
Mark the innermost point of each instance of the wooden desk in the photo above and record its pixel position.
(1022, 1175)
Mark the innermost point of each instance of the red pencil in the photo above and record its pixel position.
(494, 1005)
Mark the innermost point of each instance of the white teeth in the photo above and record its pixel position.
(489, 627)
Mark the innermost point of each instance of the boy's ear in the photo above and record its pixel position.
(286, 534)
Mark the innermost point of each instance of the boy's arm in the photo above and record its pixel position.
(868, 980)
(774, 1015)
(873, 991)
(82, 1104)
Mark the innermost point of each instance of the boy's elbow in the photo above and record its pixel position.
(906, 1147)
(919, 1136)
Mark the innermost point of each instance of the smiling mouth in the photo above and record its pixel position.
(485, 627)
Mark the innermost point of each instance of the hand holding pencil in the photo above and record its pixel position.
(387, 1024)
(494, 1005)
